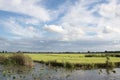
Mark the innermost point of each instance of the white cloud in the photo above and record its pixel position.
(109, 29)
(75, 22)
(110, 33)
(110, 10)
(54, 28)
(19, 31)
(26, 7)
(72, 33)
(79, 28)
(16, 2)
(109, 23)
(78, 22)
(31, 21)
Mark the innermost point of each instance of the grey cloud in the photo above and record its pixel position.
(53, 45)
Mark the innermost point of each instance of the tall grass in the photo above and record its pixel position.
(17, 59)
(2, 58)
(109, 63)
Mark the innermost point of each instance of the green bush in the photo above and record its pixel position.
(17, 59)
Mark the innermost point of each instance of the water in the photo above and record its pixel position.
(42, 72)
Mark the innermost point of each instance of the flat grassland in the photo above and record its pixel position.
(72, 58)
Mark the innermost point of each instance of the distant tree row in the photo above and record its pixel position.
(60, 52)
(3, 51)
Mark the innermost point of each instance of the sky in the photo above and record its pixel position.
(59, 25)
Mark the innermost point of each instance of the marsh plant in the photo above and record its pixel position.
(109, 63)
(17, 59)
(2, 59)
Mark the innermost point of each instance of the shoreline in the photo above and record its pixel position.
(78, 65)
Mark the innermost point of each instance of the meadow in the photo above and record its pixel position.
(72, 58)
(86, 61)
(43, 66)
(75, 60)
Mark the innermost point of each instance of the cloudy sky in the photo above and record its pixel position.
(59, 25)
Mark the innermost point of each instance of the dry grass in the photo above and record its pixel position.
(17, 59)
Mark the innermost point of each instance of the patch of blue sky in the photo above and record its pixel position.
(57, 19)
(96, 14)
(118, 1)
(4, 34)
(4, 15)
(2, 31)
(88, 24)
(92, 5)
(92, 25)
(91, 33)
(54, 4)
(50, 35)
(7, 14)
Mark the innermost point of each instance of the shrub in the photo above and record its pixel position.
(17, 59)
(2, 59)
(21, 59)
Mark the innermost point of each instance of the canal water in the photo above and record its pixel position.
(43, 72)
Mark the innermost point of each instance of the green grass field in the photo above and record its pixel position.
(71, 58)
(76, 60)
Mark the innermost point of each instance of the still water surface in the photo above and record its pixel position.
(42, 72)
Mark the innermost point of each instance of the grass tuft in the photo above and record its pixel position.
(17, 59)
(2, 59)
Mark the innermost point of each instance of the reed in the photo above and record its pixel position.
(17, 59)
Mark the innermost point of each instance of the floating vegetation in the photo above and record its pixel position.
(47, 73)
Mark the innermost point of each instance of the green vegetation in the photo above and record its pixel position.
(85, 61)
(72, 58)
(103, 55)
(16, 59)
(76, 60)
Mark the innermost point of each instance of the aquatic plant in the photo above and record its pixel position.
(68, 65)
(109, 63)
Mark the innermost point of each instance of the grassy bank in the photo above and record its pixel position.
(76, 60)
(86, 61)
